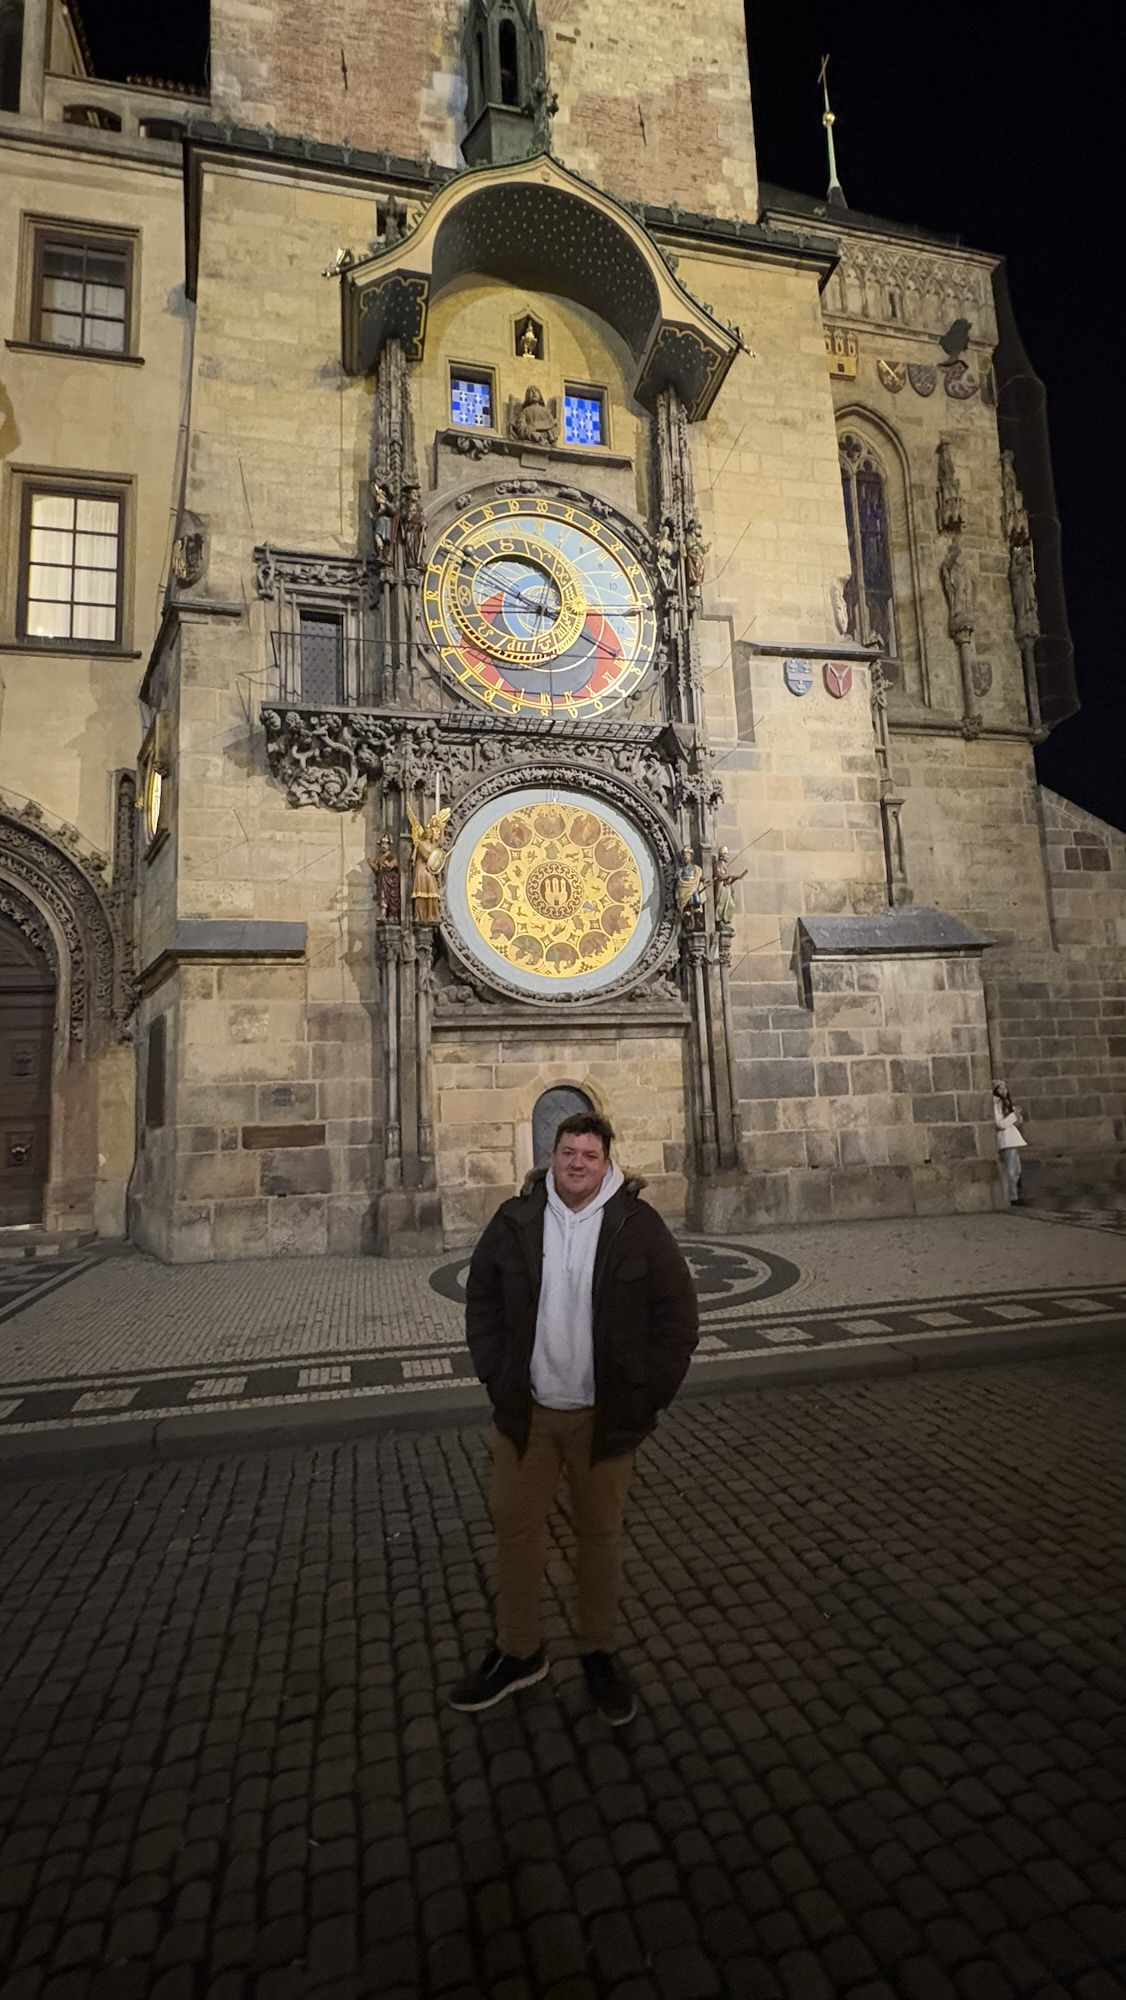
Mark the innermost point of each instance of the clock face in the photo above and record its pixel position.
(537, 607)
(152, 798)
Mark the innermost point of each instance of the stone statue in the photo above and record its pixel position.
(388, 887)
(533, 421)
(695, 550)
(958, 586)
(382, 518)
(690, 891)
(668, 555)
(723, 884)
(412, 527)
(948, 494)
(840, 605)
(529, 340)
(1014, 513)
(1022, 587)
(544, 104)
(429, 861)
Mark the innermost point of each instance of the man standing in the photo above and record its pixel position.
(581, 1319)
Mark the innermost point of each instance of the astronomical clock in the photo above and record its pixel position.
(540, 610)
(539, 607)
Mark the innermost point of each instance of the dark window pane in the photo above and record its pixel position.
(322, 658)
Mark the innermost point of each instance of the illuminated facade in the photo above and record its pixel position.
(598, 653)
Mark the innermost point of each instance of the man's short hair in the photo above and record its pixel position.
(584, 1124)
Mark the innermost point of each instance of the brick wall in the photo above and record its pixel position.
(654, 101)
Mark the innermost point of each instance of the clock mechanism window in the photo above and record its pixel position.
(584, 417)
(471, 400)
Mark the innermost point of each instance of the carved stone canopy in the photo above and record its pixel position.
(55, 899)
(536, 226)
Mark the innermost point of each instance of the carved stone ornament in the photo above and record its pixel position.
(948, 493)
(1014, 513)
(959, 381)
(923, 377)
(531, 420)
(329, 758)
(90, 954)
(189, 551)
(288, 569)
(981, 676)
(893, 375)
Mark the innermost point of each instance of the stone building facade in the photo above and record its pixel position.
(585, 618)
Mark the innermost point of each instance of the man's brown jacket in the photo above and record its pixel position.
(644, 1315)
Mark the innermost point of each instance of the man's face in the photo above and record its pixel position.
(578, 1165)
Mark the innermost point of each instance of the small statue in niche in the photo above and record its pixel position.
(690, 891)
(411, 526)
(429, 861)
(668, 555)
(1022, 588)
(388, 886)
(533, 421)
(382, 519)
(723, 887)
(958, 586)
(1014, 513)
(528, 341)
(948, 494)
(695, 550)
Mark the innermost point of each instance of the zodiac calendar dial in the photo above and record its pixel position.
(537, 607)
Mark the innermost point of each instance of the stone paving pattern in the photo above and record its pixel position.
(130, 1312)
(874, 1628)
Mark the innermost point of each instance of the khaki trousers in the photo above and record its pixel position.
(521, 1495)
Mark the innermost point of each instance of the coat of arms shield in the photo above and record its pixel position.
(923, 377)
(798, 675)
(838, 678)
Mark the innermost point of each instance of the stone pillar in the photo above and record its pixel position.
(33, 66)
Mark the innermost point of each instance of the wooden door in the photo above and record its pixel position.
(27, 1025)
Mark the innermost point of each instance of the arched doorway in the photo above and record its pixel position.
(560, 1102)
(27, 1034)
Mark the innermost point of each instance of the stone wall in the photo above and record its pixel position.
(654, 102)
(869, 1095)
(486, 1086)
(1059, 1016)
(266, 1148)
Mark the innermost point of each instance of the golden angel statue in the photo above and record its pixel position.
(429, 861)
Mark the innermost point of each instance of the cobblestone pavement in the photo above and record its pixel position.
(135, 1343)
(874, 1628)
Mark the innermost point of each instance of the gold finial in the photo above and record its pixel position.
(828, 119)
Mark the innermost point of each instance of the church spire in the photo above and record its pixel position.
(828, 119)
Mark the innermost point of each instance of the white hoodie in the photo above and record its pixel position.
(563, 1353)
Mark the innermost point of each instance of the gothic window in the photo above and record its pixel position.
(471, 398)
(509, 59)
(870, 592)
(880, 592)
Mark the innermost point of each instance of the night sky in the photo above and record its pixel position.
(990, 123)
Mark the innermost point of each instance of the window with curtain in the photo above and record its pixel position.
(71, 567)
(82, 293)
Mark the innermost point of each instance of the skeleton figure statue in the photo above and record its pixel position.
(429, 861)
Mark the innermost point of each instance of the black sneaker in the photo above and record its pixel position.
(610, 1690)
(498, 1674)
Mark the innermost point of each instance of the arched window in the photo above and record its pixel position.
(509, 57)
(550, 1110)
(871, 592)
(11, 53)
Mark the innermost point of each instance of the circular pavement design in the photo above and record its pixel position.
(726, 1275)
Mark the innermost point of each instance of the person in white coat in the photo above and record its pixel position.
(1009, 1141)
